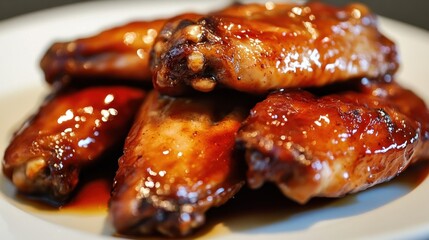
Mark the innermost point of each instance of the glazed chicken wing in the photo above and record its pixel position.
(334, 144)
(179, 161)
(285, 45)
(71, 130)
(119, 54)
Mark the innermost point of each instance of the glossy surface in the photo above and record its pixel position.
(337, 143)
(375, 211)
(118, 54)
(275, 46)
(70, 131)
(178, 162)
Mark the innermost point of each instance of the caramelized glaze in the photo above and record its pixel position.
(92, 196)
(180, 158)
(120, 54)
(178, 162)
(277, 46)
(70, 131)
(337, 143)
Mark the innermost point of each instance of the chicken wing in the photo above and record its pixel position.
(71, 130)
(334, 144)
(285, 45)
(179, 161)
(119, 54)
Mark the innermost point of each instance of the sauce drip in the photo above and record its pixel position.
(93, 192)
(249, 209)
(92, 196)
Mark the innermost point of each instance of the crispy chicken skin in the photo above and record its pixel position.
(334, 144)
(119, 54)
(178, 162)
(285, 45)
(70, 131)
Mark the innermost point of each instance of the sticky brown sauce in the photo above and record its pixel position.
(93, 192)
(249, 209)
(414, 175)
(91, 195)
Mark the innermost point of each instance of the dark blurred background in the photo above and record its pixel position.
(415, 12)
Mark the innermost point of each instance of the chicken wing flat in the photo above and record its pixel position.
(70, 131)
(119, 54)
(334, 144)
(179, 161)
(285, 45)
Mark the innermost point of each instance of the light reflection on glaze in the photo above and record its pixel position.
(285, 46)
(337, 143)
(120, 54)
(178, 162)
(70, 131)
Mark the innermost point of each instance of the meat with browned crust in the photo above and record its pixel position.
(71, 131)
(334, 144)
(178, 162)
(281, 46)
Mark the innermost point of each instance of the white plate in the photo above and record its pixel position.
(398, 209)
